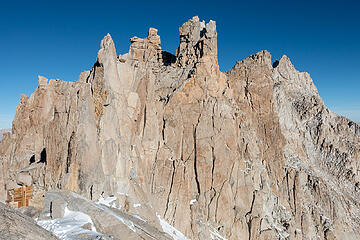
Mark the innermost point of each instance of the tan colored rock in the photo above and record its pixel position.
(43, 81)
(252, 153)
(15, 225)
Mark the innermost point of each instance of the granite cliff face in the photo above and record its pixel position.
(252, 153)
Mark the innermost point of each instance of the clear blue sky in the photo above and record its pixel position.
(59, 39)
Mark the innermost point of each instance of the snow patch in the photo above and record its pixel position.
(138, 217)
(109, 201)
(215, 235)
(128, 223)
(69, 226)
(173, 232)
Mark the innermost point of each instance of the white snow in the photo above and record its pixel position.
(138, 217)
(192, 201)
(109, 201)
(69, 226)
(173, 232)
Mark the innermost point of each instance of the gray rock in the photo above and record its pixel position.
(30, 211)
(24, 178)
(14, 226)
(108, 221)
(58, 208)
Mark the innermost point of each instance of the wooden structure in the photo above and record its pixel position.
(19, 197)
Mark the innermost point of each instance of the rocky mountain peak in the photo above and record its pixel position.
(107, 52)
(249, 154)
(197, 40)
(42, 81)
(146, 49)
(153, 37)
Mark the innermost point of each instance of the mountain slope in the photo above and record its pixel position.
(249, 154)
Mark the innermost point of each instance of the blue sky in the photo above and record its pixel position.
(60, 39)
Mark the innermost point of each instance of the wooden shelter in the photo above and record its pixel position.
(19, 197)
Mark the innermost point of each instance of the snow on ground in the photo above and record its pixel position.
(216, 235)
(173, 232)
(69, 226)
(109, 201)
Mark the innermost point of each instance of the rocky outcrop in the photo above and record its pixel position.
(14, 226)
(109, 222)
(249, 154)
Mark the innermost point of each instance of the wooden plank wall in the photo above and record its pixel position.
(20, 197)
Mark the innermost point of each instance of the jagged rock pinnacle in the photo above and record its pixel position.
(107, 50)
(197, 40)
(42, 81)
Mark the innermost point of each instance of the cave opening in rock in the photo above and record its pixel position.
(32, 159)
(43, 156)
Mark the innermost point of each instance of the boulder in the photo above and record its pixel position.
(24, 178)
(14, 226)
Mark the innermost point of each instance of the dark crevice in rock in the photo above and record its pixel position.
(154, 168)
(287, 184)
(165, 99)
(163, 130)
(32, 159)
(195, 158)
(294, 191)
(69, 153)
(217, 200)
(143, 131)
(43, 156)
(51, 209)
(212, 189)
(91, 192)
(171, 186)
(248, 215)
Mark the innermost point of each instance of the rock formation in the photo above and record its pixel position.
(252, 153)
(15, 226)
(4, 131)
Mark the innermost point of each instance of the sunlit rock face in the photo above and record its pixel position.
(252, 153)
(4, 131)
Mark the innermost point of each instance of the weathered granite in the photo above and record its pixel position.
(249, 154)
(15, 226)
